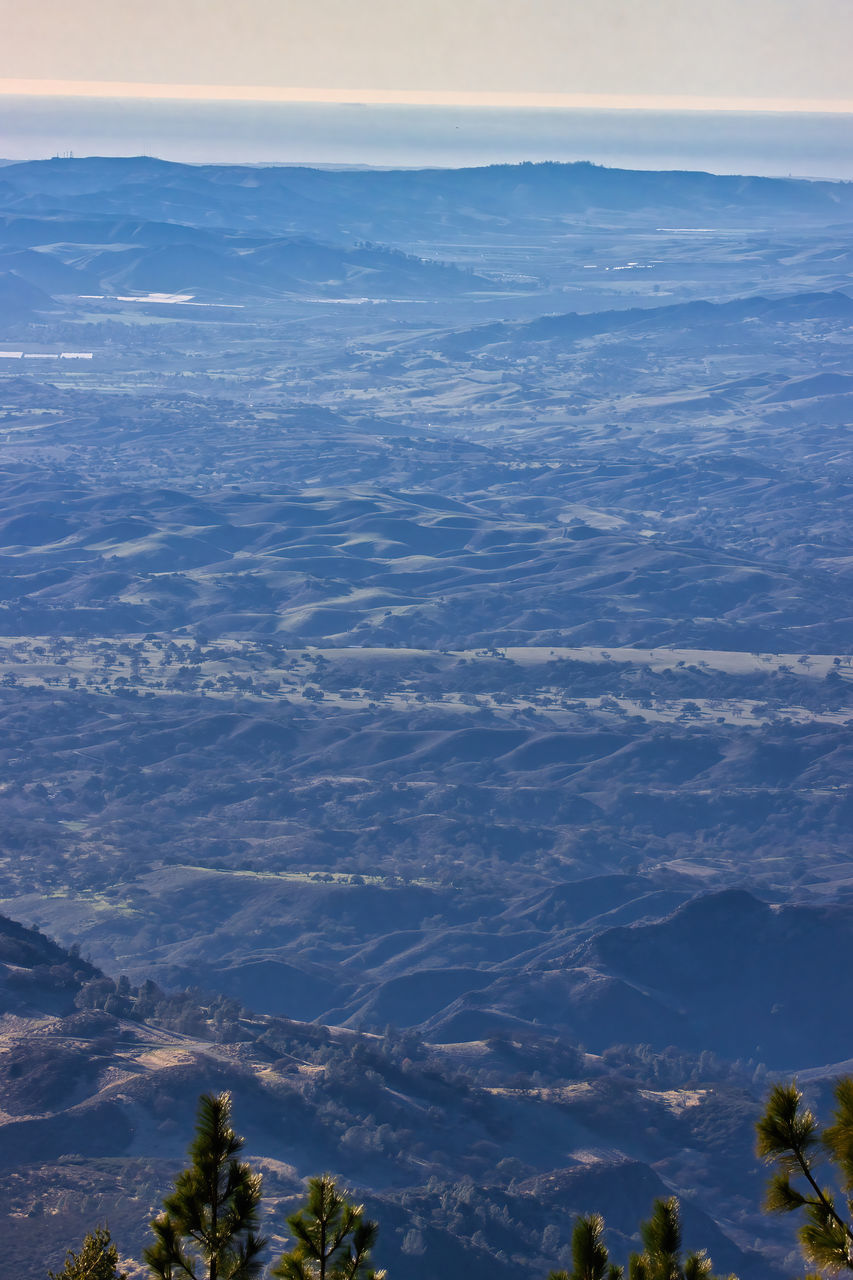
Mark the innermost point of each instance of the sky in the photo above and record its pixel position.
(735, 54)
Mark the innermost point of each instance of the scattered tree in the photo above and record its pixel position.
(207, 1229)
(97, 1260)
(789, 1137)
(333, 1238)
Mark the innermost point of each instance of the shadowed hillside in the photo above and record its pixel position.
(461, 1151)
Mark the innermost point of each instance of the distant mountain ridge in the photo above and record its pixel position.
(575, 326)
(229, 232)
(284, 196)
(73, 256)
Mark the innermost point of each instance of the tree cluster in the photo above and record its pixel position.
(208, 1229)
(661, 1258)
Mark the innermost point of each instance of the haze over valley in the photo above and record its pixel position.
(427, 683)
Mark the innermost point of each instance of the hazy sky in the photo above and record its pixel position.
(791, 52)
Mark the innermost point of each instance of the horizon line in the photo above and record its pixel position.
(417, 97)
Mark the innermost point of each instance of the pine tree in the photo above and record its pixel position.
(97, 1260)
(661, 1256)
(207, 1228)
(333, 1238)
(789, 1137)
(590, 1260)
